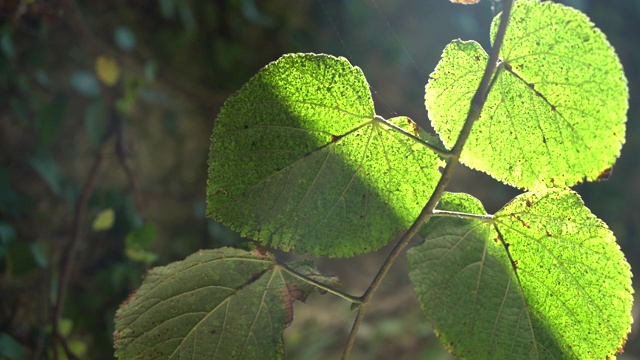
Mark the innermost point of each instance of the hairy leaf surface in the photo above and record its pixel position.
(562, 292)
(299, 161)
(556, 113)
(216, 303)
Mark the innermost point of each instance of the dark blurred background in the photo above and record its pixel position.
(106, 108)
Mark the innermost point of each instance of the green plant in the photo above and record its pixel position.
(300, 162)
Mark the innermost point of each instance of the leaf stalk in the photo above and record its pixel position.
(461, 215)
(353, 299)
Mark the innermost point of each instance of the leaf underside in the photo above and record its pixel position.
(556, 113)
(300, 162)
(216, 303)
(566, 295)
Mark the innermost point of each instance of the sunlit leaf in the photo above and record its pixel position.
(224, 303)
(574, 276)
(566, 295)
(104, 220)
(107, 70)
(299, 161)
(556, 112)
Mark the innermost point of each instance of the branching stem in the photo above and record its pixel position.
(477, 103)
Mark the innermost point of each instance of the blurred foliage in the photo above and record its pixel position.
(140, 81)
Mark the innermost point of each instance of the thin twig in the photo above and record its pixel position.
(94, 47)
(76, 237)
(477, 103)
(121, 154)
(43, 318)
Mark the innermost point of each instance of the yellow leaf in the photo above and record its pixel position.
(104, 220)
(108, 70)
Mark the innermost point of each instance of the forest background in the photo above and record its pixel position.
(106, 111)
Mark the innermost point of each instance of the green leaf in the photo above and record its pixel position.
(11, 348)
(138, 242)
(7, 233)
(40, 252)
(19, 110)
(167, 8)
(573, 274)
(6, 45)
(124, 38)
(96, 121)
(150, 71)
(65, 327)
(216, 303)
(556, 113)
(566, 295)
(299, 161)
(85, 83)
(49, 119)
(45, 165)
(104, 220)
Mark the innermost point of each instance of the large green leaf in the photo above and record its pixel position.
(299, 161)
(216, 303)
(556, 113)
(562, 292)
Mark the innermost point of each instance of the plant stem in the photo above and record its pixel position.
(461, 215)
(477, 103)
(80, 213)
(319, 285)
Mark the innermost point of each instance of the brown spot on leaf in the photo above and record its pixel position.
(291, 292)
(524, 223)
(260, 251)
(604, 175)
(529, 203)
(548, 233)
(296, 292)
(414, 127)
(288, 306)
(621, 348)
(129, 299)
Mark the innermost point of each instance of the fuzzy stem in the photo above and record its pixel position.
(477, 103)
